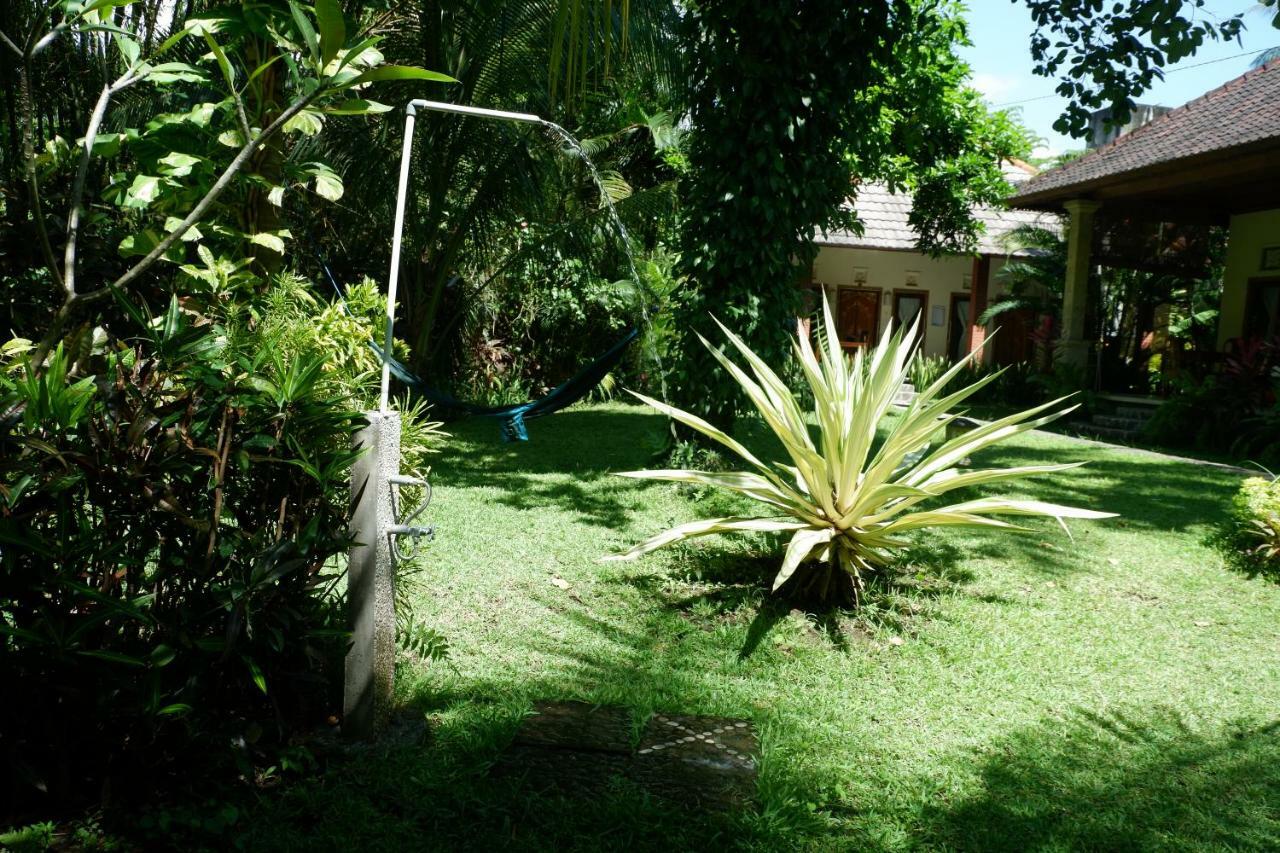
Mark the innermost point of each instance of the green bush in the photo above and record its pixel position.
(298, 324)
(1202, 415)
(1251, 538)
(1018, 384)
(1233, 411)
(169, 524)
(926, 369)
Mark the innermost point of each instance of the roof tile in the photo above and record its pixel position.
(885, 218)
(1240, 112)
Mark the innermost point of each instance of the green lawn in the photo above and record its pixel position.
(1118, 691)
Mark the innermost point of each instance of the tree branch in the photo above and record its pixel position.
(48, 38)
(9, 43)
(82, 173)
(73, 302)
(209, 198)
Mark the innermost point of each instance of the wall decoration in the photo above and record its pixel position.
(937, 315)
(1271, 258)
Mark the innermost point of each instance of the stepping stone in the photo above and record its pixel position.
(570, 747)
(580, 749)
(577, 725)
(709, 761)
(563, 771)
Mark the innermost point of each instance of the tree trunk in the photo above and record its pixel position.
(259, 215)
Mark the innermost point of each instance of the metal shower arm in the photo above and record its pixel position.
(478, 112)
(393, 280)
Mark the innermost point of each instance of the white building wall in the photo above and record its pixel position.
(887, 271)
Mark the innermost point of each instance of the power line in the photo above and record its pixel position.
(1173, 70)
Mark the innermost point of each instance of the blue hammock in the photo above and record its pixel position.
(510, 418)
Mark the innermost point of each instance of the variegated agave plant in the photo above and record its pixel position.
(845, 501)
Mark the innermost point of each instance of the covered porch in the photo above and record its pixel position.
(1149, 199)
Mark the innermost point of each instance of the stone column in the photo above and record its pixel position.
(1073, 347)
(978, 281)
(370, 663)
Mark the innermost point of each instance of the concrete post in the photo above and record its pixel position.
(370, 664)
(1074, 346)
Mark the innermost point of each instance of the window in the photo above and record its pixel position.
(1262, 311)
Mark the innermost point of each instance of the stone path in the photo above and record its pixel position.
(578, 749)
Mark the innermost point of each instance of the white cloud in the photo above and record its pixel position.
(995, 87)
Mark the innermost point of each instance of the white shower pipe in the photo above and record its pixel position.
(393, 280)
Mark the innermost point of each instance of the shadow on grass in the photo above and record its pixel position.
(562, 465)
(440, 795)
(719, 583)
(1148, 493)
(1126, 780)
(1100, 782)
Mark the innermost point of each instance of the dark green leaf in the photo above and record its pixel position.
(399, 72)
(333, 31)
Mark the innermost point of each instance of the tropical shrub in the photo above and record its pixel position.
(298, 324)
(1250, 540)
(925, 370)
(1017, 384)
(168, 522)
(1193, 417)
(846, 501)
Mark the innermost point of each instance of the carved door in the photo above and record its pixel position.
(858, 316)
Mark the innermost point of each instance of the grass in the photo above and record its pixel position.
(1118, 691)
(1071, 426)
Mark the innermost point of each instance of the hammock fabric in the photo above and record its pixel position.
(511, 418)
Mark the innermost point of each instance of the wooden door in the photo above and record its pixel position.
(858, 316)
(1013, 343)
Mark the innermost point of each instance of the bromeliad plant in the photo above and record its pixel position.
(846, 501)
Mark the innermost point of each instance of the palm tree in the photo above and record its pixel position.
(1271, 9)
(1034, 274)
(476, 183)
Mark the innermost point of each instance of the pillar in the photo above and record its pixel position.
(978, 281)
(370, 663)
(1074, 346)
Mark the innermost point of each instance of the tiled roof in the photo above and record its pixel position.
(886, 226)
(1244, 111)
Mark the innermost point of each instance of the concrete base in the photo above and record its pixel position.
(371, 661)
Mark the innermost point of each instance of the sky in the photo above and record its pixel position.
(1001, 61)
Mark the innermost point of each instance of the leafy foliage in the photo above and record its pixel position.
(175, 490)
(204, 174)
(1250, 539)
(925, 369)
(792, 105)
(844, 501)
(1108, 54)
(168, 523)
(1233, 410)
(504, 221)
